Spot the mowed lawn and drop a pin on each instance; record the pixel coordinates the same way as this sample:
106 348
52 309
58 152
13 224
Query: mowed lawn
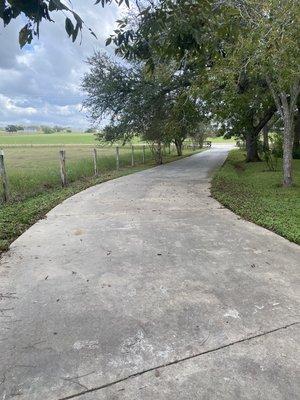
256 194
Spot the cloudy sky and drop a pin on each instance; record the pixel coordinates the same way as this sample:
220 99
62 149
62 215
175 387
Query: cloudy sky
40 84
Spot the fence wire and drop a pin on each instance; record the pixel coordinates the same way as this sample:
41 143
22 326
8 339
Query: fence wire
31 170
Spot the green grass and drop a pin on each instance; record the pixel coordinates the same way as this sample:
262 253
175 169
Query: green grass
35 184
220 139
32 170
256 194
46 139
72 138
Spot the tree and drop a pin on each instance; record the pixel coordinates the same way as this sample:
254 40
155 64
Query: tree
57 128
90 130
133 102
195 35
36 11
167 29
271 48
183 117
14 128
251 36
156 106
47 130
202 130
240 104
296 144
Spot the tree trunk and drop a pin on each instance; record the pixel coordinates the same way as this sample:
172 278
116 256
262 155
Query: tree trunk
286 104
288 150
178 144
296 144
251 147
159 158
265 130
252 135
201 141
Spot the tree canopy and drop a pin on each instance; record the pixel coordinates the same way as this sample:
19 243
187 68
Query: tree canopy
245 57
157 106
13 128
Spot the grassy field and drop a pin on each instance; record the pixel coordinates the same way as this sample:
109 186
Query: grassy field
34 180
256 194
32 160
220 139
32 170
42 139
47 139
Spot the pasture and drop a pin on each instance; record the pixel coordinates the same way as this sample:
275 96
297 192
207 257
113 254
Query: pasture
32 159
32 170
63 138
47 139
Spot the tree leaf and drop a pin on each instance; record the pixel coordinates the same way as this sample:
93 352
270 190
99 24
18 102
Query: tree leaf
59 5
52 5
69 27
93 33
78 20
2 8
25 35
75 33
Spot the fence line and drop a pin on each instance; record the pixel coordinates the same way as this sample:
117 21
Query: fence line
60 145
117 158
69 172
95 161
3 176
132 156
144 154
63 171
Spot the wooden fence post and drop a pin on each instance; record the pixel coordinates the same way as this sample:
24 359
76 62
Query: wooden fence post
95 161
144 154
63 172
4 178
117 158
132 156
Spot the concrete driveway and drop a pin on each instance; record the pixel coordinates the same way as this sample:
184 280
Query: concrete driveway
145 287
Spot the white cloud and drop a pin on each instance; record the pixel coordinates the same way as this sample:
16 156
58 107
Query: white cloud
10 106
40 84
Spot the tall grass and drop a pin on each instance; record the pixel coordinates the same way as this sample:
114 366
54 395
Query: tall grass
32 170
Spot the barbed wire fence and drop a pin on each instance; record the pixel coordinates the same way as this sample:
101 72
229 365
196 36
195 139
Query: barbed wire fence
67 164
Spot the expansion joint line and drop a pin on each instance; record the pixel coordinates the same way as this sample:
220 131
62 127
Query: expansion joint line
135 375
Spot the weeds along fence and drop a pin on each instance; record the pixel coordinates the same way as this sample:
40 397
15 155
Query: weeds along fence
29 170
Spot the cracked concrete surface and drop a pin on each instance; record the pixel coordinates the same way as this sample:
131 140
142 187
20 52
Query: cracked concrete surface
146 288
246 371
